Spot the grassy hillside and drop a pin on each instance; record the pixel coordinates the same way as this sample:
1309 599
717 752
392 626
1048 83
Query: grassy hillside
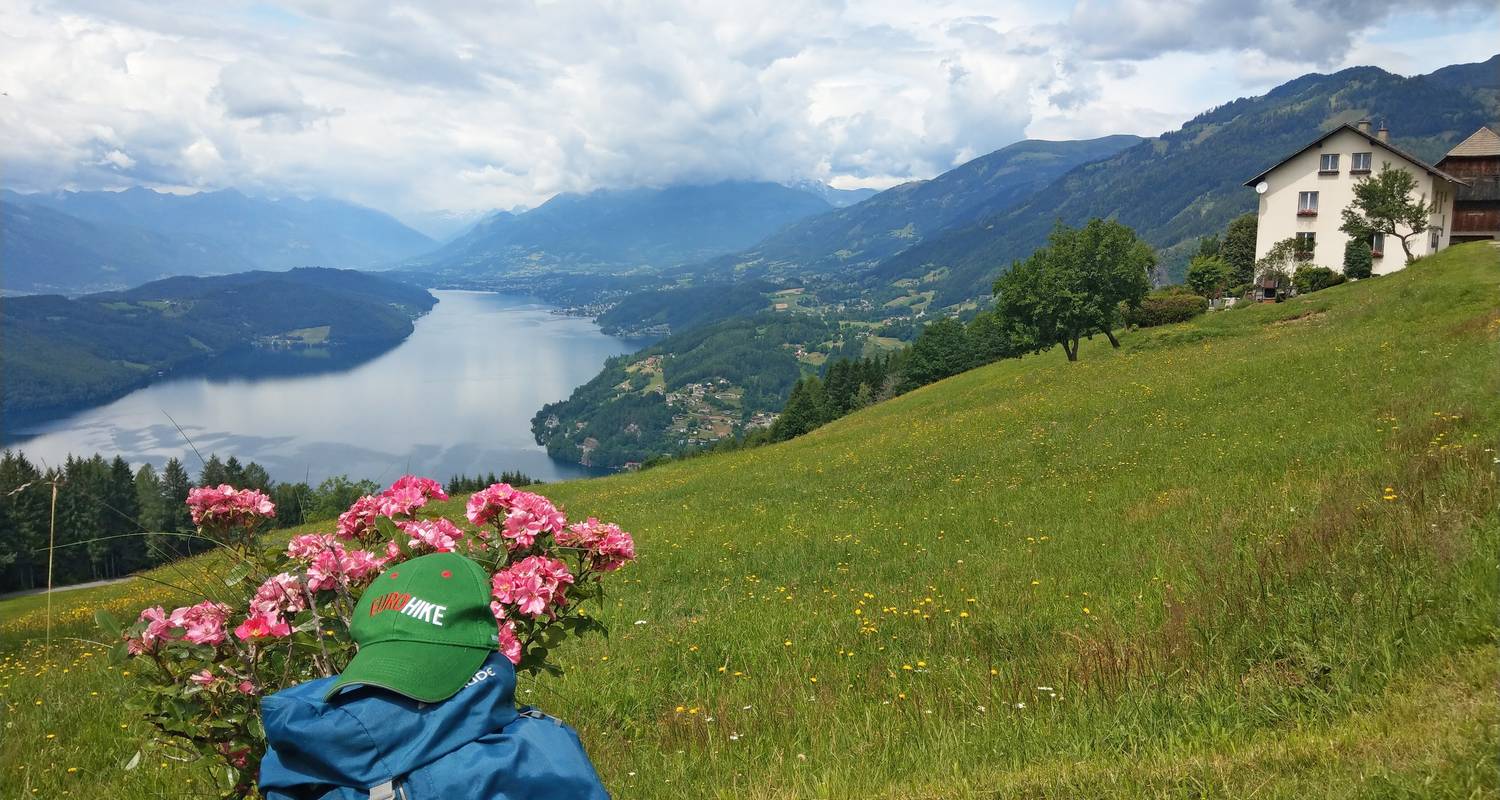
1251 555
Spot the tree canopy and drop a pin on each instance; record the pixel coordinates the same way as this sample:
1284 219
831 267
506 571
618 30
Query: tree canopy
1208 275
1077 284
1238 248
1383 204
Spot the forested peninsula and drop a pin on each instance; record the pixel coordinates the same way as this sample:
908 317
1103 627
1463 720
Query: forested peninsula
62 354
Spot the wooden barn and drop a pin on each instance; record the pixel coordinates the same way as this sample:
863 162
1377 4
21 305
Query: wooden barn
1476 208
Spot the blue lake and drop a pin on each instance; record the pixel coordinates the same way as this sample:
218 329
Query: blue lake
456 397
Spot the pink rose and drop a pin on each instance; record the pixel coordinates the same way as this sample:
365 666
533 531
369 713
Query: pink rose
263 626
359 521
202 623
530 516
428 487
487 504
609 547
437 535
509 644
533 585
309 545
203 678
279 594
228 506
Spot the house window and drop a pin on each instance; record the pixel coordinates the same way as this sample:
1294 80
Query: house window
1306 242
1360 163
1307 204
1329 164
1434 236
1377 245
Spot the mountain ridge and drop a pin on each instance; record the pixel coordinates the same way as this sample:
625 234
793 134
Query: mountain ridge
163 234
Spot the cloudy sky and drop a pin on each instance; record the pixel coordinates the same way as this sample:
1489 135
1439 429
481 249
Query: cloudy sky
413 107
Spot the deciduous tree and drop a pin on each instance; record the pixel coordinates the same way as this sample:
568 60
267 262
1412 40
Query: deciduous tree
1077 285
1383 203
1208 275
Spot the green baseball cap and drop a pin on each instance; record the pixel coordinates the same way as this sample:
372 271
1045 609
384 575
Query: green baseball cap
424 627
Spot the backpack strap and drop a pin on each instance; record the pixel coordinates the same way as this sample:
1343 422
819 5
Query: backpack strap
387 791
534 713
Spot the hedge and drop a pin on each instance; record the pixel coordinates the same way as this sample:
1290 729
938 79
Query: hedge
1165 309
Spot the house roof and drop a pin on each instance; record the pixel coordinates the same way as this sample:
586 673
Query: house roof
1484 142
1431 170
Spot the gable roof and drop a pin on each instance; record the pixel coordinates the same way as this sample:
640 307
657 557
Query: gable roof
1430 169
1483 142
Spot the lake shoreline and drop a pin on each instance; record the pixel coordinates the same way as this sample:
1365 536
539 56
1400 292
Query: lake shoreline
456 396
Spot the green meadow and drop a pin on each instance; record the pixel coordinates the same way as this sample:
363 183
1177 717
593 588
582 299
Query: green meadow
1253 555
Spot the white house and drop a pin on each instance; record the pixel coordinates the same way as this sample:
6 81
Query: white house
1304 196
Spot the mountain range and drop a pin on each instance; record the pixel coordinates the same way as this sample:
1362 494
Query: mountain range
900 217
1188 183
613 230
73 242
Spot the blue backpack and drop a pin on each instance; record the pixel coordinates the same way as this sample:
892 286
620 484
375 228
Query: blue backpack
371 744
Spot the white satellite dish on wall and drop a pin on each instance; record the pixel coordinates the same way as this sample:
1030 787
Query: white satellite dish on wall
1260 188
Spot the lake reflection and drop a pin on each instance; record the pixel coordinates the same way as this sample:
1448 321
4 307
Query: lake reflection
456 397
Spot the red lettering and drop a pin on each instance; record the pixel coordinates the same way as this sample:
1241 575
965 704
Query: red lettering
390 602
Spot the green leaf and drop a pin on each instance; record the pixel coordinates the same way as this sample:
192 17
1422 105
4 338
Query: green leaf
388 529
107 622
237 574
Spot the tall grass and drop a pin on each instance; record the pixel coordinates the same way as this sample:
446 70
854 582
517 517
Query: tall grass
1249 555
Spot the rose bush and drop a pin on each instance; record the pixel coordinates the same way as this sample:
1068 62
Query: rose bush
280 614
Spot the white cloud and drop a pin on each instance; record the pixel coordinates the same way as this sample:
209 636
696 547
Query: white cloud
471 104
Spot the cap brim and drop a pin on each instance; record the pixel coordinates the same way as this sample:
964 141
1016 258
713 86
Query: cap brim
424 671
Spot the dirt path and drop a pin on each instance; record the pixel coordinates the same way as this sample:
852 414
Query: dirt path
70 587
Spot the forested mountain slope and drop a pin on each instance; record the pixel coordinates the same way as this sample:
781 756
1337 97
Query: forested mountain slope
621 229
902 216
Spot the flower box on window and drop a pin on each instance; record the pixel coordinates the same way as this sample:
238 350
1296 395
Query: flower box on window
1307 212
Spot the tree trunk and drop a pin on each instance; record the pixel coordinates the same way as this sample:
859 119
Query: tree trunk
1405 247
1071 351
1112 340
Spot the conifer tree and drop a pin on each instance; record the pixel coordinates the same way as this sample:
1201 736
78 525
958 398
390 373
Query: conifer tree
213 473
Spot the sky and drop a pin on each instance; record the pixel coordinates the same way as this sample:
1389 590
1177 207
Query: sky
463 106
